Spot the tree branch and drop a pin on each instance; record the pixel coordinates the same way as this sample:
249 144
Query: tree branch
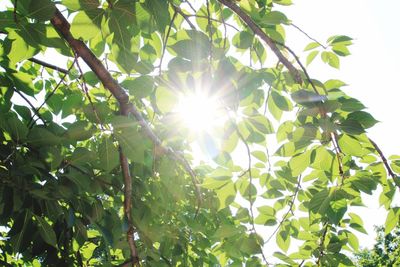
271 43
61 24
253 227
290 210
308 36
186 17
383 158
215 20
321 245
31 122
166 40
128 207
30 104
48 65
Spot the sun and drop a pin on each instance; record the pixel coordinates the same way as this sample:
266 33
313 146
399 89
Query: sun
199 112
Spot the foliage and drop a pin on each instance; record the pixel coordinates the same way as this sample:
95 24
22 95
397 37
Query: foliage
384 253
92 173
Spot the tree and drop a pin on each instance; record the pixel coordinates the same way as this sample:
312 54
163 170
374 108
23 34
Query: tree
384 253
97 168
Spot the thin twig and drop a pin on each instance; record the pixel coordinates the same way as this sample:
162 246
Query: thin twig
191 6
210 30
383 158
308 36
216 20
250 193
166 40
86 91
48 65
339 157
186 17
224 24
321 245
110 4
15 12
301 66
259 32
30 104
290 210
270 88
31 122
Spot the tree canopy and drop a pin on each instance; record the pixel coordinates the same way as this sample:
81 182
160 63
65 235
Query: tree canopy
385 251
98 149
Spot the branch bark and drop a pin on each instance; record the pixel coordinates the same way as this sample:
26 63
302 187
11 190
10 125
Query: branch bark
48 65
259 32
61 24
383 158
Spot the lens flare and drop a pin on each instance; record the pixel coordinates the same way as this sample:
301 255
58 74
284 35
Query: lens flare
199 112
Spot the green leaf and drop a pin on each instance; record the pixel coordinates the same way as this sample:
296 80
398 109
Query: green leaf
305 97
243 40
331 58
340 39
350 104
133 145
14 127
226 195
274 18
281 102
311 46
40 136
260 155
319 203
283 2
364 118
341 50
300 162
351 126
195 48
311 56
166 99
41 10
139 87
79 131
392 220
108 154
351 146
356 222
46 231
283 239
159 11
250 245
226 230
86 25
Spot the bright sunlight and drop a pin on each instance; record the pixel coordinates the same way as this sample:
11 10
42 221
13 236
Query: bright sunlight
200 113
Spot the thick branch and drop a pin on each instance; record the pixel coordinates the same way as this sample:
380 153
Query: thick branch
259 32
61 24
128 207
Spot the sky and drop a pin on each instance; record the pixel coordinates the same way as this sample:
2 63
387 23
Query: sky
371 71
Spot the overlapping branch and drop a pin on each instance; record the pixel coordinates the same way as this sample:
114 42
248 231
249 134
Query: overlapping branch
260 33
61 24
